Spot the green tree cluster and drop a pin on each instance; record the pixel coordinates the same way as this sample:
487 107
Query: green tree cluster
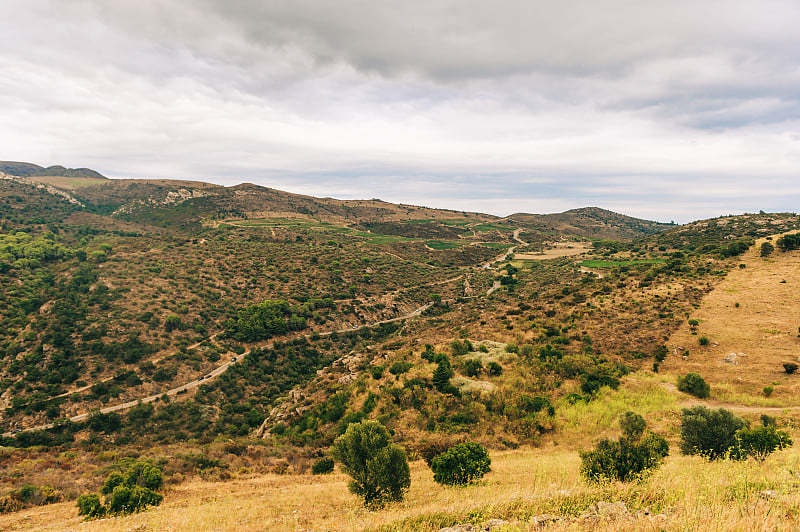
263 321
717 434
125 493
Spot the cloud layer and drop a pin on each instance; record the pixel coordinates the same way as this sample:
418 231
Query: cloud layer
676 110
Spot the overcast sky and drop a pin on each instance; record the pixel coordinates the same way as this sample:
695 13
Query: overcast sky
673 110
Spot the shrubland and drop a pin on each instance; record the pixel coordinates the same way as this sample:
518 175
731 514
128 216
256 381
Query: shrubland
105 308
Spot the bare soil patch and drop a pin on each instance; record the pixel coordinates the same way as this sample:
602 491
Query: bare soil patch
559 249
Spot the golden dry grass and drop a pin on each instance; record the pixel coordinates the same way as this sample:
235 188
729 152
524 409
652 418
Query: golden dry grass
68 183
764 327
689 493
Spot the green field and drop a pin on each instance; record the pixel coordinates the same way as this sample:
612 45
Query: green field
614 263
492 227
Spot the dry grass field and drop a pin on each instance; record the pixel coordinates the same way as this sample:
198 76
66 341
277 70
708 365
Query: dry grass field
686 494
755 310
68 183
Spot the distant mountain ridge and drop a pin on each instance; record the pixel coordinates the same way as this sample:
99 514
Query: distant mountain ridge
21 169
164 202
590 222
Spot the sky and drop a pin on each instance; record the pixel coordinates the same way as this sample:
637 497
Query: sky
677 110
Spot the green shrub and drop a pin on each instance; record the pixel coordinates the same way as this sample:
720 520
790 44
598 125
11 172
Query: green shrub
628 458
379 468
694 384
623 459
125 493
767 249
323 466
632 425
789 242
90 506
494 369
761 442
709 433
703 340
461 464
130 499
398 368
789 367
473 367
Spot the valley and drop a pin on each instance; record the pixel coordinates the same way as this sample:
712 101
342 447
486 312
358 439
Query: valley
229 336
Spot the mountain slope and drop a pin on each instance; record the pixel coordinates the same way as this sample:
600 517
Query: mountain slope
589 222
22 169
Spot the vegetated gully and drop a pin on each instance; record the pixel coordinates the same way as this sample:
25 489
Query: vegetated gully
219 370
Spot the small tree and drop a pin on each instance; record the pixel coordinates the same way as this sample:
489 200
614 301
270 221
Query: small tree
789 367
767 249
709 433
379 468
761 442
461 464
694 384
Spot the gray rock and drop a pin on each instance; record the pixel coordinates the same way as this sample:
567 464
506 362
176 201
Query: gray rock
491 524
731 358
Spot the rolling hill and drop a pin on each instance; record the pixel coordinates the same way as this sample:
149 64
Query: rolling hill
236 331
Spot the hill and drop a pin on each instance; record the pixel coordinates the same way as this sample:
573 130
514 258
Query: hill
236 331
33 170
589 222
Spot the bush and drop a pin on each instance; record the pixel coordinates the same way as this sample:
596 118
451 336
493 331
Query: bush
90 506
323 466
125 493
428 450
694 384
703 340
789 242
494 369
767 249
628 458
129 499
473 367
761 442
461 464
632 425
709 433
790 367
623 459
379 468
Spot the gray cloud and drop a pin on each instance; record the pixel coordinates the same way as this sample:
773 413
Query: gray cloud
513 104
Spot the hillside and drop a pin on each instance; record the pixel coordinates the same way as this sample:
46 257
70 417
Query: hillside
35 171
589 222
236 331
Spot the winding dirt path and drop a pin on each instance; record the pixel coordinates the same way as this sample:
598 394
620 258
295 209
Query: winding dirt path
219 370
